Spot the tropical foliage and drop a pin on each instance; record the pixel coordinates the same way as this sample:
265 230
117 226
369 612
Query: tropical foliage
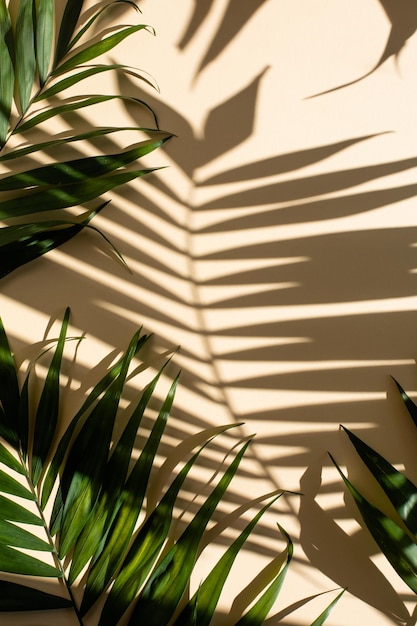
38 74
87 499
396 534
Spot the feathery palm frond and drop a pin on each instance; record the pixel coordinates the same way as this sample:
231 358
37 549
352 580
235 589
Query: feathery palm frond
95 523
41 71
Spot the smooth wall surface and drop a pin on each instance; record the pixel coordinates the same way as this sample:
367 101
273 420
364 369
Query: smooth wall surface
278 249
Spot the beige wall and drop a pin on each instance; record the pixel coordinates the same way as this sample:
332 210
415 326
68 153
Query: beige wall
279 250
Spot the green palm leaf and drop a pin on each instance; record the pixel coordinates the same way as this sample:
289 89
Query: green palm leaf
200 609
25 52
6 71
158 600
44 37
15 597
394 542
25 67
98 500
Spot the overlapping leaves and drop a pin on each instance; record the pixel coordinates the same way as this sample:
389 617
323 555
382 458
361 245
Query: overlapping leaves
396 534
36 73
97 495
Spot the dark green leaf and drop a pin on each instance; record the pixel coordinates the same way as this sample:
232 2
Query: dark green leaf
401 492
73 79
69 21
392 540
8 459
411 407
95 530
12 486
14 597
78 170
25 52
144 551
6 71
11 535
9 390
96 15
44 37
48 408
64 196
45 145
21 244
15 513
78 103
65 442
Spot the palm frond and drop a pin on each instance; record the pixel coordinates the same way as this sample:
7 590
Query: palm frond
97 524
39 69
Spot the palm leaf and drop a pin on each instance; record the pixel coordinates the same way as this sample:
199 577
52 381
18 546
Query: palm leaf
25 52
69 21
25 59
6 71
158 601
258 612
15 597
393 541
200 608
44 37
98 500
401 492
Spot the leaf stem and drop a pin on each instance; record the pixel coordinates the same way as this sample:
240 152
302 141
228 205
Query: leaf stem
54 552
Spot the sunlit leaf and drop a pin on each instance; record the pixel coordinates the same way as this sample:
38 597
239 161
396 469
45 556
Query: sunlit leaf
74 79
12 486
83 472
200 609
393 541
323 616
259 611
401 492
8 459
97 49
14 562
110 499
158 601
96 15
106 561
144 551
12 535
25 51
44 37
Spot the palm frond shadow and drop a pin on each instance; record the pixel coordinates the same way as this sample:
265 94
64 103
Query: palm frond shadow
306 270
234 19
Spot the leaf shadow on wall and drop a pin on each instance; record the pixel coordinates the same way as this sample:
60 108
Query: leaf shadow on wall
236 16
296 272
